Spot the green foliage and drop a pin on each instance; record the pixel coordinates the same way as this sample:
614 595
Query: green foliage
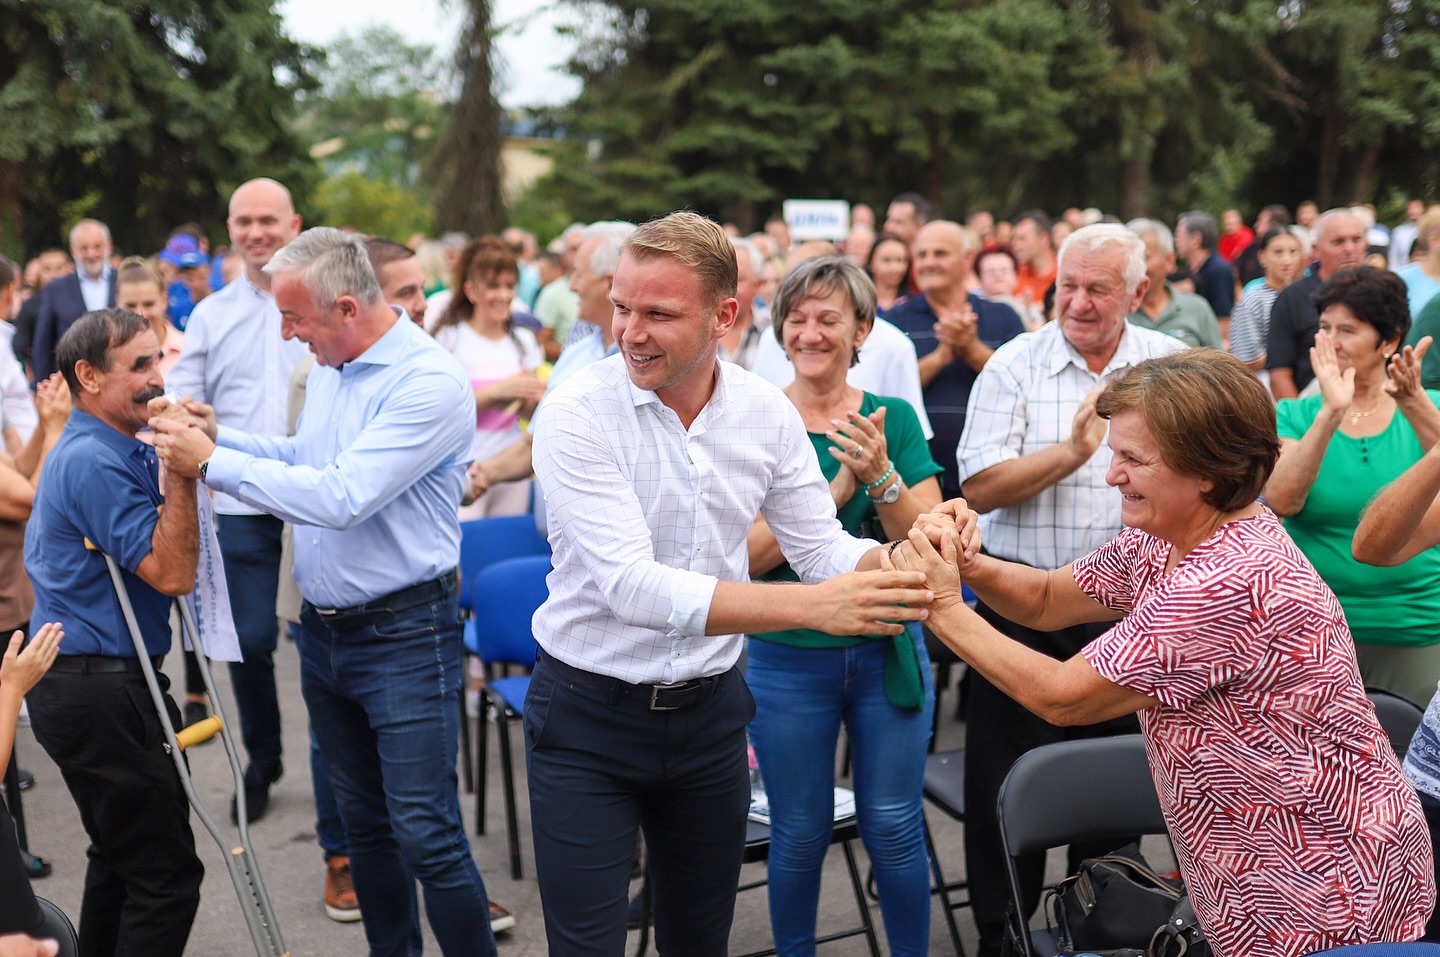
376 207
378 108
729 106
155 110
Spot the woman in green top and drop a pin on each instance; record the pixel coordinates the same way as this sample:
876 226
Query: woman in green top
1338 449
805 684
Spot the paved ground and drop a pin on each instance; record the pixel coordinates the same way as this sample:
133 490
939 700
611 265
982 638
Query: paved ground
291 863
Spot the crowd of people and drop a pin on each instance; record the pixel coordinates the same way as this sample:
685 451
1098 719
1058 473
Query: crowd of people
1147 451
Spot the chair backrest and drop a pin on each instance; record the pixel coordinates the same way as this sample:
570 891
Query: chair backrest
1090 789
56 926
504 597
485 541
1398 716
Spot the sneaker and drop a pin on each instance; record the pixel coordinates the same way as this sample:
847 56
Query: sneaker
340 901
195 712
27 781
500 918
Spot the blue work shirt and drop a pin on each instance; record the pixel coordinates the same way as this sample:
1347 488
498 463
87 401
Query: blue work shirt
949 392
100 484
372 477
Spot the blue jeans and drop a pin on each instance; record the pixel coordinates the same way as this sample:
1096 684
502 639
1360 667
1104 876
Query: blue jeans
383 697
801 697
329 829
250 546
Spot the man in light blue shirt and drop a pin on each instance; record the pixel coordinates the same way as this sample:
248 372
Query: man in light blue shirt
371 480
235 360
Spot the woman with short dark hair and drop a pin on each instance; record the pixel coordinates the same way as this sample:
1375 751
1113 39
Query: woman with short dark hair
1338 450
1292 823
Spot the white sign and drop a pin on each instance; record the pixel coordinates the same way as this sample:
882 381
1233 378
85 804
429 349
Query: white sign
817 218
210 602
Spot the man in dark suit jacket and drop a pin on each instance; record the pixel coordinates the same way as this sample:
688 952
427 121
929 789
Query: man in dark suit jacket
54 263
91 286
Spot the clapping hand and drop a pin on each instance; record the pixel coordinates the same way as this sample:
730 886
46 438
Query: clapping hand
860 445
1405 364
24 667
956 330
52 402
1088 430
1337 388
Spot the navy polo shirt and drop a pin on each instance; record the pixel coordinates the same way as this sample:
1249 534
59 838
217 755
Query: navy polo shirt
103 485
949 392
1215 282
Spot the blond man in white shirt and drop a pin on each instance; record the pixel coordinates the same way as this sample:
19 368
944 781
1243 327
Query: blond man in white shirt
653 464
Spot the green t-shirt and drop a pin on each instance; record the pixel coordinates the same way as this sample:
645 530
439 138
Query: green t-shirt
908 449
1384 606
1188 318
1427 323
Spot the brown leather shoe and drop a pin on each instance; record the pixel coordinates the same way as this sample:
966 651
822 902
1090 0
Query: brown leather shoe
340 901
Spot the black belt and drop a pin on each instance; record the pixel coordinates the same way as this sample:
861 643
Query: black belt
101 664
666 697
421 594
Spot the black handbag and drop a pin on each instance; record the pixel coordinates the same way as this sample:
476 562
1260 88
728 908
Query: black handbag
1181 935
1115 903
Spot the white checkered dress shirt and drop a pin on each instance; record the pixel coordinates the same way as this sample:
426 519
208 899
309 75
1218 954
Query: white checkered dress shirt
1024 400
646 516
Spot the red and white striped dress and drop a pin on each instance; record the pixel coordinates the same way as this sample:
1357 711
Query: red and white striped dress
1294 827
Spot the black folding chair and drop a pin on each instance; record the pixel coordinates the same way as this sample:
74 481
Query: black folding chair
1092 789
945 788
1398 716
757 848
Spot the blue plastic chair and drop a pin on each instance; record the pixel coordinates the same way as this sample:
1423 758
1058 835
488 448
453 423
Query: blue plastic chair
483 542
504 597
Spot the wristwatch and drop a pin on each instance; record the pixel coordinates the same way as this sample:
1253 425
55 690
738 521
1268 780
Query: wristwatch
205 467
891 495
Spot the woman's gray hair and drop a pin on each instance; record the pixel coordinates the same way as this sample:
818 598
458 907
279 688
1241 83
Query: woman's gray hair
332 263
819 277
1102 235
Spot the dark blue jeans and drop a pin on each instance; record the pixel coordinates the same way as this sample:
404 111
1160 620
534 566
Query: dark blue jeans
329 829
384 704
598 769
250 545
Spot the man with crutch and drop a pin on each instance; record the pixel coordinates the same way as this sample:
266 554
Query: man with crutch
371 481
93 713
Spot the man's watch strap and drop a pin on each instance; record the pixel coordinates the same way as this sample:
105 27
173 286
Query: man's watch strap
204 468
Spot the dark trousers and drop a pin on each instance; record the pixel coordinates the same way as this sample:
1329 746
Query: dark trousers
250 546
598 770
142 885
19 914
998 731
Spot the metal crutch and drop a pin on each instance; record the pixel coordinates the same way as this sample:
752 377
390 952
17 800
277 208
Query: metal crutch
239 859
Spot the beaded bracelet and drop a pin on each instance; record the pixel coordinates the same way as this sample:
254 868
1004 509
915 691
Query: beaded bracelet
881 480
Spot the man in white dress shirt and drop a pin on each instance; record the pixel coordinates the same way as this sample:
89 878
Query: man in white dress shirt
236 360
653 464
